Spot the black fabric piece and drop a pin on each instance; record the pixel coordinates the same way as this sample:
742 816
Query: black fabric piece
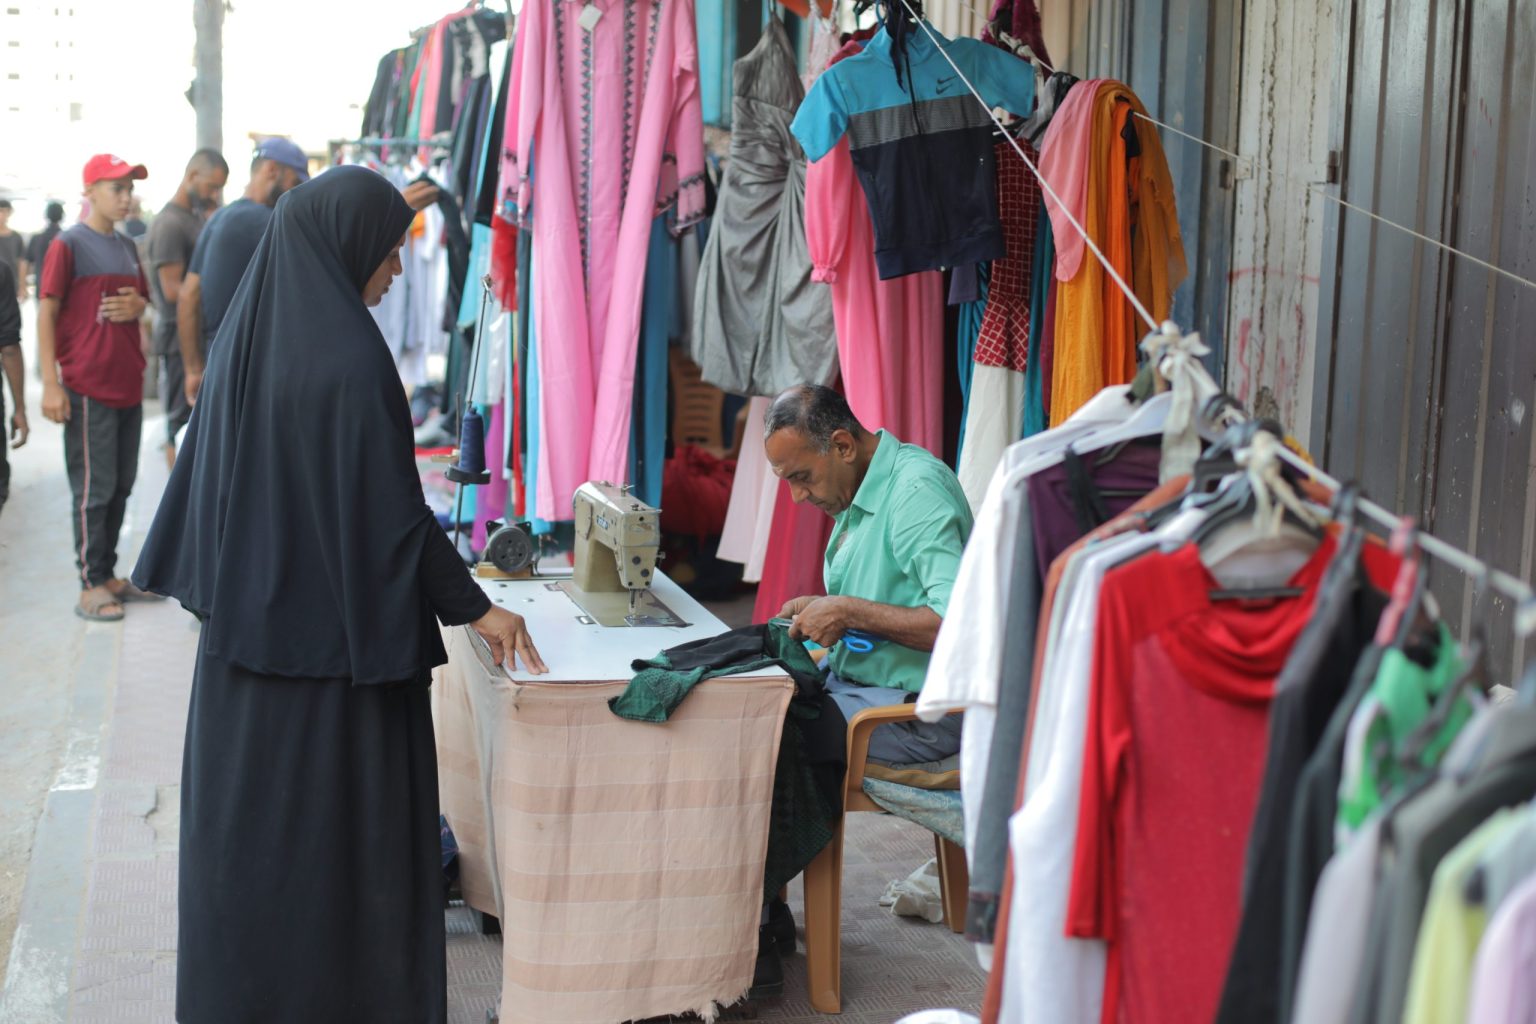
457 240
1309 839
1087 504
485 199
37 250
661 683
310 886
294 522
1312 685
374 111
468 134
10 309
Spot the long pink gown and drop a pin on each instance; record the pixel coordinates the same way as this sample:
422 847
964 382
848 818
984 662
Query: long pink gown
604 132
890 334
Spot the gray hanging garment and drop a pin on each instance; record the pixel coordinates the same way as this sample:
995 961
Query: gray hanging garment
760 324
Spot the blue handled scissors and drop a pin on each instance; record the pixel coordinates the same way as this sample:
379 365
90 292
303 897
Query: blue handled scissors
855 640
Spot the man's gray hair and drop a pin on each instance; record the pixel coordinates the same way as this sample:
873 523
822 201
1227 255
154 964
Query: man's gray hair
817 412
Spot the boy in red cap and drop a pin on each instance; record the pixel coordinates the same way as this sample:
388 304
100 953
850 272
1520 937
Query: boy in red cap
92 293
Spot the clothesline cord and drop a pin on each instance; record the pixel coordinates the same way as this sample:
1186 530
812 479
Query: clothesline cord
1512 587
1192 138
1109 269
1312 187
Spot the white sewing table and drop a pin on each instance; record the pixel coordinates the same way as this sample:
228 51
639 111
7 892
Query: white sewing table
623 859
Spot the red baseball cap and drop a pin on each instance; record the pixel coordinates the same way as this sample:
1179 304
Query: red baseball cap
106 167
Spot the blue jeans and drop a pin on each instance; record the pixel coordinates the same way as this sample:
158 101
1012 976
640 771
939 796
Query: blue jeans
896 742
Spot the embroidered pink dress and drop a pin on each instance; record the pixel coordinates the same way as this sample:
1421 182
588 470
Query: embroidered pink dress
604 131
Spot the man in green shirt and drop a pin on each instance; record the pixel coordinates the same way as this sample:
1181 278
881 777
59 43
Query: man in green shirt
902 523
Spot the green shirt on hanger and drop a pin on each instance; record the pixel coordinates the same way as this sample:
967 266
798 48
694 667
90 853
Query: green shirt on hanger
1401 698
899 543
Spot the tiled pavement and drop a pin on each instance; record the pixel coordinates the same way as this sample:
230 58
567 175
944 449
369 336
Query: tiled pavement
124 944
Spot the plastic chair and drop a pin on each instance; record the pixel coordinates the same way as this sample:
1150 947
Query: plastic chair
824 876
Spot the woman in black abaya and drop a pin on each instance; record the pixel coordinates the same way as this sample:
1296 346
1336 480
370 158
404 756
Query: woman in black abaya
295 528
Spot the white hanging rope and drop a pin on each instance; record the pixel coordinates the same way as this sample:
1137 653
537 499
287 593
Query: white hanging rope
1317 189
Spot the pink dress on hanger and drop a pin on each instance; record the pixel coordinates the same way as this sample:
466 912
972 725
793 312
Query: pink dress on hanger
604 131
890 334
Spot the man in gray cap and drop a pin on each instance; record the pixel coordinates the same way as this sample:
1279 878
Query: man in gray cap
225 249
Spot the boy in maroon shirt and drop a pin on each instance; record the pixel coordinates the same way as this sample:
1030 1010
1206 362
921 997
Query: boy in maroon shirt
92 294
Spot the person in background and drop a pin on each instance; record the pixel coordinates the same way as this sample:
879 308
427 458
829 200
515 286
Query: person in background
902 523
11 363
226 246
133 225
224 251
901 526
13 251
37 246
168 252
92 293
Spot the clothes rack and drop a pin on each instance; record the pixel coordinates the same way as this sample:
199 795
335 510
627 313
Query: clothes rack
1505 583
1224 407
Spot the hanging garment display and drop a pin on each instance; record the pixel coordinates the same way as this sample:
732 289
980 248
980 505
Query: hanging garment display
1110 172
921 143
995 412
604 132
889 333
760 325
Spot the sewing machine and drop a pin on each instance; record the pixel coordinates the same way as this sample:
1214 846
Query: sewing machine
618 542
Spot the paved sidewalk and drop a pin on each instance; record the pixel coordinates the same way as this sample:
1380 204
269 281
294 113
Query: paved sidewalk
96 942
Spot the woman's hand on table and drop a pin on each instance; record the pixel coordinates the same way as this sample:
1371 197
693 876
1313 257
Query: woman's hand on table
506 634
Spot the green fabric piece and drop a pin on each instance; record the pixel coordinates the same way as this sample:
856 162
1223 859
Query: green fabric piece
1403 695
657 688
899 543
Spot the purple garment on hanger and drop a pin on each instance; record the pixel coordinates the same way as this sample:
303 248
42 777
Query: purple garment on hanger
1063 506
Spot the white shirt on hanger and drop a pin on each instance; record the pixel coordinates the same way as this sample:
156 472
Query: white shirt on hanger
1049 977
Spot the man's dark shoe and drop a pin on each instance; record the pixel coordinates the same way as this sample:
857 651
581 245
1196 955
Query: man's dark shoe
782 924
768 977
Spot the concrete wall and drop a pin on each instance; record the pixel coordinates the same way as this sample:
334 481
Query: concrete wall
1286 76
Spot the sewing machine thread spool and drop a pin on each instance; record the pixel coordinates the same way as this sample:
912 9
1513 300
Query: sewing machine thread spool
470 469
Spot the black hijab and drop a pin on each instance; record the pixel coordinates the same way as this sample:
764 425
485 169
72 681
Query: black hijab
294 521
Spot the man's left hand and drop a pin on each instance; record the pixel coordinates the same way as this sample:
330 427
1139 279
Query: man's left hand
824 620
124 307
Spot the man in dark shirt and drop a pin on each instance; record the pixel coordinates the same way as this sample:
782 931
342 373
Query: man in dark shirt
37 246
172 238
225 250
10 360
13 251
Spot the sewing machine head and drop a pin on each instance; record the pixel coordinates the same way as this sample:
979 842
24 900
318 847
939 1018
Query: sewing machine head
618 538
